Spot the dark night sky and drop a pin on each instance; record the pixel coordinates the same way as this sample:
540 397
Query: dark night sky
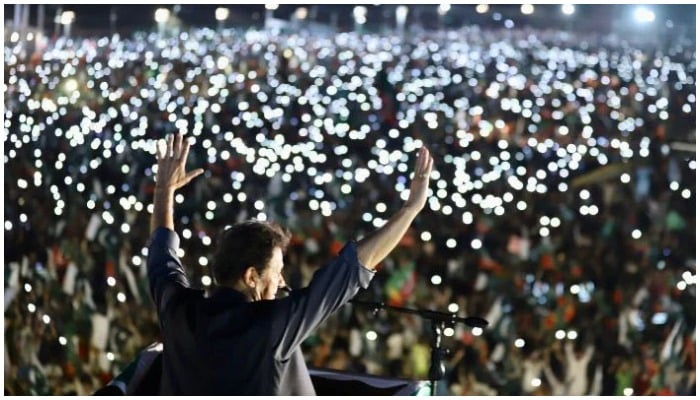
94 19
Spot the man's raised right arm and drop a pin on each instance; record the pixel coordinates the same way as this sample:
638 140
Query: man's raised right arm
165 271
171 175
372 249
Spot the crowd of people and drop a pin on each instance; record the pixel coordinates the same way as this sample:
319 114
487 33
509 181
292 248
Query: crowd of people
562 208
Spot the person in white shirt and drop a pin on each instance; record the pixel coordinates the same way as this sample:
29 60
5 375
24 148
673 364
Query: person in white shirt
577 369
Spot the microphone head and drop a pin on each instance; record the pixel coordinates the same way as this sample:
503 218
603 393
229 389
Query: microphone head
283 292
476 322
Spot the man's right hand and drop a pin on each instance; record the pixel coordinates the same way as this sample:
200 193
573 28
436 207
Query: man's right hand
172 158
421 179
376 246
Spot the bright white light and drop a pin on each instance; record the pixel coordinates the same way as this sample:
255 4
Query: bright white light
636 234
67 17
110 356
221 14
449 332
162 15
436 279
527 9
46 319
443 9
519 343
644 15
371 336
401 14
111 281
360 14
453 307
301 13
380 207
688 277
206 280
71 85
271 6
476 244
535 382
628 391
467 218
221 63
121 297
32 308
62 340
572 335
625 178
568 9
659 318
482 8
560 334
476 331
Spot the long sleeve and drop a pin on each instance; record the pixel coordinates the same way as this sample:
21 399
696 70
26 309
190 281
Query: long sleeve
597 384
667 349
165 271
558 388
331 287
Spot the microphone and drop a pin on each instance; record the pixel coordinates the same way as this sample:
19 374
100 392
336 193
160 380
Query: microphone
283 291
435 316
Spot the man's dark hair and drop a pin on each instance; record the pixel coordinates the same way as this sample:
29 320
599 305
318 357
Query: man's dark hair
246 244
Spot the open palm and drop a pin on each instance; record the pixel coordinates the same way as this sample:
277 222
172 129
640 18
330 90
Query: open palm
421 180
172 158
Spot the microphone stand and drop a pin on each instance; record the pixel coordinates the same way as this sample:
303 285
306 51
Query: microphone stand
438 321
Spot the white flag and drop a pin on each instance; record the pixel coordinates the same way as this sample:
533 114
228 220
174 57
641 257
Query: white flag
93 227
100 331
69 278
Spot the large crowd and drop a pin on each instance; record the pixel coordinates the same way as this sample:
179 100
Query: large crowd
562 208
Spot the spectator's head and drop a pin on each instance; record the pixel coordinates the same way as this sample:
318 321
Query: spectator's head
249 258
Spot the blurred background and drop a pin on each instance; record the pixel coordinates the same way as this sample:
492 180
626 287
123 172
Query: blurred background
562 205
127 18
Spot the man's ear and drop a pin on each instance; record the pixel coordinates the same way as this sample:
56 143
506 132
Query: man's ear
250 276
